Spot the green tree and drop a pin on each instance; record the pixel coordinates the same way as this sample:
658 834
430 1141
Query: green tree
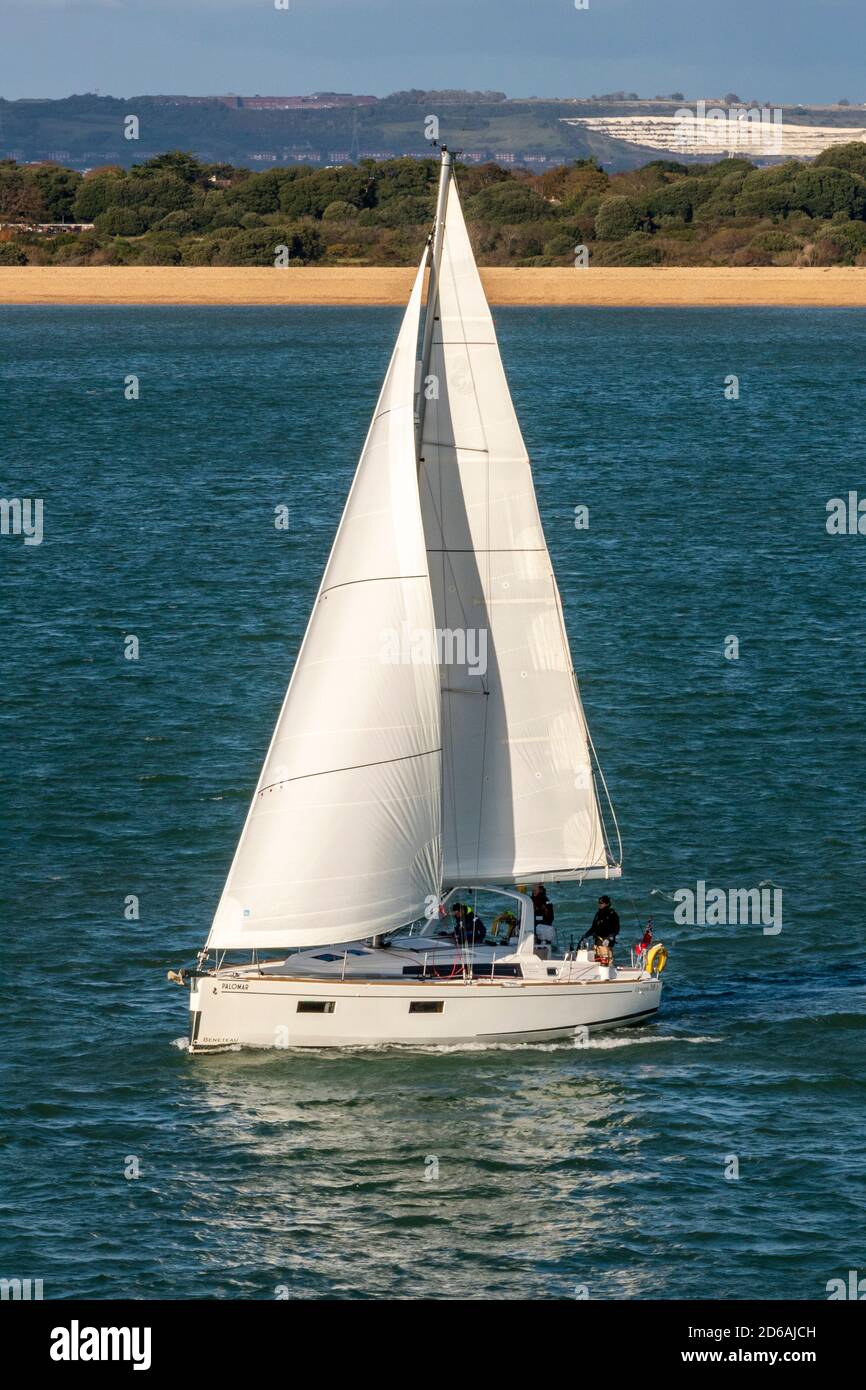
824 191
259 246
677 199
120 221
180 223
406 212
508 202
635 250
162 192
850 156
309 196
617 218
178 163
159 249
841 244
339 211
404 178
97 192
57 188
20 199
260 193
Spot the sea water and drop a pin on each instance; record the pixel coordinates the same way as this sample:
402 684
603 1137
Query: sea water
192 465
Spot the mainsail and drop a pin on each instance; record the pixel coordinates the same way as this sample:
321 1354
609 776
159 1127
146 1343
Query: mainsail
342 840
519 799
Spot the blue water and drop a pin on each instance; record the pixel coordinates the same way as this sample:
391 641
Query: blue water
557 1166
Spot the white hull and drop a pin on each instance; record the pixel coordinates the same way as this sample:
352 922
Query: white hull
242 1009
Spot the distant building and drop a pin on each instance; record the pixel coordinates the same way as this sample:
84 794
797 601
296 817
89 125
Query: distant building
325 101
322 101
231 101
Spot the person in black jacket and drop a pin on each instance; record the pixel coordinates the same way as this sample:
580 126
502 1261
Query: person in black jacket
542 906
605 929
545 936
468 928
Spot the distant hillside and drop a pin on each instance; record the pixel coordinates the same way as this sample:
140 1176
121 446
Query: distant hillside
174 209
335 128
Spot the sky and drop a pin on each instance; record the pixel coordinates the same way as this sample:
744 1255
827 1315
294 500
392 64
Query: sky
774 51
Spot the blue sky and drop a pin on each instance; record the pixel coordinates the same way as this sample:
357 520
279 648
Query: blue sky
772 50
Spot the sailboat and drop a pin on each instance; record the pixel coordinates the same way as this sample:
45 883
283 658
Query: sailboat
432 759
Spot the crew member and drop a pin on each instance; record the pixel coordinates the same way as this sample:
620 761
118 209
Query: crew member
605 928
545 936
468 929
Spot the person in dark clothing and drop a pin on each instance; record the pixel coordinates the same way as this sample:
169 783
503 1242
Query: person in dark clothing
605 929
542 905
545 936
468 928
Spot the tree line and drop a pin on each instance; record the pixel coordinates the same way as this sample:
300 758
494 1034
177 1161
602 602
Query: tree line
177 210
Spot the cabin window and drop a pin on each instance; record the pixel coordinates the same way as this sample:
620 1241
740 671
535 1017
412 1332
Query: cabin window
427 1006
315 1006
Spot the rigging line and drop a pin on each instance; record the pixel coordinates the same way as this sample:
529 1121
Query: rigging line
353 767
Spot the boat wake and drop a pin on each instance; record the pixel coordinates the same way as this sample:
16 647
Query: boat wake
432 1049
564 1045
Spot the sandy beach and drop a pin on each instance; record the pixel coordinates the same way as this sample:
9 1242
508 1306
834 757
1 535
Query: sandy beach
645 287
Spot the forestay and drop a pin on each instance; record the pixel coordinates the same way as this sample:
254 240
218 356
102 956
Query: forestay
342 839
519 801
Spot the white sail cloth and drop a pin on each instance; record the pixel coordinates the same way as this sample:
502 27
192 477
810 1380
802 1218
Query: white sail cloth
519 801
342 839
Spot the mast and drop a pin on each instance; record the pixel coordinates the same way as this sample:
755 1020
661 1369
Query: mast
435 260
